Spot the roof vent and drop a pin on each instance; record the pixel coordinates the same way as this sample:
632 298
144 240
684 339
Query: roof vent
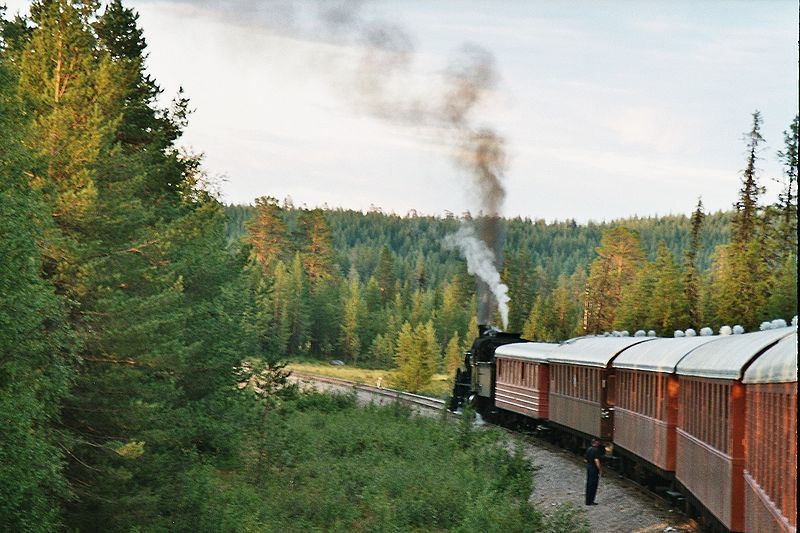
691 333
706 332
738 330
778 323
725 330
639 333
679 333
765 326
651 333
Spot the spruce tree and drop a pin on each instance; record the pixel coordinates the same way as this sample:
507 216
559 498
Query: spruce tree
741 287
691 279
353 317
745 218
667 309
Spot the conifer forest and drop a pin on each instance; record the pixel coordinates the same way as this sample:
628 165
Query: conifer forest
132 303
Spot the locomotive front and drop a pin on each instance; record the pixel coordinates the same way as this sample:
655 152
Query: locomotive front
474 384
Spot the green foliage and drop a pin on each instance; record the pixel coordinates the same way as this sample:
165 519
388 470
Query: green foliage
112 250
371 470
416 357
619 258
36 347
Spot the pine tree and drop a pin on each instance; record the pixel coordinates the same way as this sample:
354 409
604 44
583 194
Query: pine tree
138 248
386 276
266 233
297 309
787 199
744 221
36 348
541 324
404 356
353 316
782 301
452 315
517 276
454 354
566 309
668 305
634 312
619 258
416 356
691 278
741 288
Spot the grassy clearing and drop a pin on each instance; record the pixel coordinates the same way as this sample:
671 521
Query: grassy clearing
440 387
333 466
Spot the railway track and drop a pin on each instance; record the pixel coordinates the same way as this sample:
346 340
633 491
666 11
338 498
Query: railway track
405 397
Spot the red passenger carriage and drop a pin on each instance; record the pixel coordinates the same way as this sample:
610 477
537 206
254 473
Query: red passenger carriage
770 473
646 411
582 384
711 422
523 378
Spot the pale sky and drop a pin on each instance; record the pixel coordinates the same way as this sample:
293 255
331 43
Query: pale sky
608 109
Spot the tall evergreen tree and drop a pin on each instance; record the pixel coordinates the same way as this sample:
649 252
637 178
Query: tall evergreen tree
453 354
667 302
745 218
691 279
619 257
634 311
353 317
782 301
36 347
138 248
267 234
386 276
741 290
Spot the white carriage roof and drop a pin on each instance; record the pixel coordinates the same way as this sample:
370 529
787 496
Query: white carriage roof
660 355
594 350
526 351
776 365
726 357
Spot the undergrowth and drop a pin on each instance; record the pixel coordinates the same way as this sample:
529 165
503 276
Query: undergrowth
334 466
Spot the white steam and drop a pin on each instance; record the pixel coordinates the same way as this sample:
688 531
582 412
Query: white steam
481 263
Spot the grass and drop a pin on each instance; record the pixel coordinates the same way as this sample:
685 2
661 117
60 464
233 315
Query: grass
330 465
441 385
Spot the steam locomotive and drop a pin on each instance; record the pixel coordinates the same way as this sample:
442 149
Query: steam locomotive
711 421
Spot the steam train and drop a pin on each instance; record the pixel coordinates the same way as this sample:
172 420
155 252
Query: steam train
709 420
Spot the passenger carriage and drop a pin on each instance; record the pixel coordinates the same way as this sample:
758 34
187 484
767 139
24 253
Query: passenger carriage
646 410
523 378
582 384
770 468
710 447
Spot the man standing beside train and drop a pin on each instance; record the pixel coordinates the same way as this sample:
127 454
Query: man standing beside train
593 469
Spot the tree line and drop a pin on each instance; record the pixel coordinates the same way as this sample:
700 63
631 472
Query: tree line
380 289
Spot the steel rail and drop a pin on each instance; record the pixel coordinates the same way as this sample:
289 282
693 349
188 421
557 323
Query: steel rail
407 397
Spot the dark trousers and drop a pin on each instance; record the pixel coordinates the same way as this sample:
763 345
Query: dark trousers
592 478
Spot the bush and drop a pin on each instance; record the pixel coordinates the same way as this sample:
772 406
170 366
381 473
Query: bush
334 466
